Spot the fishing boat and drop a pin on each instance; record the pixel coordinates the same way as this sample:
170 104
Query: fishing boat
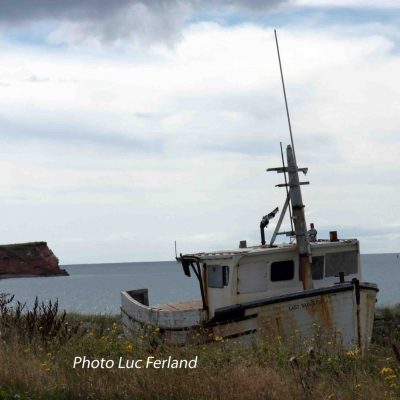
306 287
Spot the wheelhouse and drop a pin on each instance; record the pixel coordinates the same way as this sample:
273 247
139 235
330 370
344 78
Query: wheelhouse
247 274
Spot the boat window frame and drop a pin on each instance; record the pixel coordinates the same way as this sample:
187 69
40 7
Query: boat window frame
217 282
225 275
293 271
261 272
330 258
314 270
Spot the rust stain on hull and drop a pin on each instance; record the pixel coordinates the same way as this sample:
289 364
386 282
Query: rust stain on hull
330 316
321 313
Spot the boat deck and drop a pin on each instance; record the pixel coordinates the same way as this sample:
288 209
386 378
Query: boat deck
180 306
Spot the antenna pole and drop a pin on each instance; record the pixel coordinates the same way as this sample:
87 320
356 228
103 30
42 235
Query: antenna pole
284 94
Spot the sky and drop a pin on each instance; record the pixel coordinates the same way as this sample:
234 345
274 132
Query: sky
127 125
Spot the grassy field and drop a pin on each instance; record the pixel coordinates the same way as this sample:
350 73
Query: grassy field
38 347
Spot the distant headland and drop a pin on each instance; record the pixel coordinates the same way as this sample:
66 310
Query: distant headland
22 260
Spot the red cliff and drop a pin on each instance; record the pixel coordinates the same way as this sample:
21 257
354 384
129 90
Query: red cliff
28 259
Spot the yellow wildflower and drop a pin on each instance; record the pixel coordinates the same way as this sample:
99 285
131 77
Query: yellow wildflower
218 338
386 370
44 365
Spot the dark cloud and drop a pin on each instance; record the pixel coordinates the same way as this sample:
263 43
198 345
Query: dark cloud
29 10
103 20
256 5
114 20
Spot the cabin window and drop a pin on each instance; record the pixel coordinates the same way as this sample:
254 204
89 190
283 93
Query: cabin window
218 276
317 267
282 271
225 275
252 277
345 261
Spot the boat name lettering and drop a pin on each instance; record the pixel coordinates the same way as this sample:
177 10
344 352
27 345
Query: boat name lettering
306 304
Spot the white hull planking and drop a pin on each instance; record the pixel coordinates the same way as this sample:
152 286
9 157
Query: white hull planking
332 315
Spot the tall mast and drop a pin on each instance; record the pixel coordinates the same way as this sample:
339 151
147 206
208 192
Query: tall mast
284 95
299 220
300 225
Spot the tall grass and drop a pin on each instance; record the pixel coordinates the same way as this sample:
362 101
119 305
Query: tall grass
42 323
39 366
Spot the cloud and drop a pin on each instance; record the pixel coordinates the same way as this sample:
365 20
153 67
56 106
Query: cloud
91 21
103 21
69 133
25 11
389 4
70 168
139 22
37 79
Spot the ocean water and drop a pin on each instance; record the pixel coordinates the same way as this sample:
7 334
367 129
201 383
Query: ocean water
95 288
383 269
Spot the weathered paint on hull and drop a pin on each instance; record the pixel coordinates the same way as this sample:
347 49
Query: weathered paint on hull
329 313
332 315
140 320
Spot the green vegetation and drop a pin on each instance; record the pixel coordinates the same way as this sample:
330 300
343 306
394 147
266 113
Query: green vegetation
19 246
38 346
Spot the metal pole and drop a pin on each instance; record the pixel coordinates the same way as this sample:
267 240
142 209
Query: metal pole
284 94
278 225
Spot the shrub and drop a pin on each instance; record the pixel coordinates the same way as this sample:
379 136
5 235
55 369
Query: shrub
42 323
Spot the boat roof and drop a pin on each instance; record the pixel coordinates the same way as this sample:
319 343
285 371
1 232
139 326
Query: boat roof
265 249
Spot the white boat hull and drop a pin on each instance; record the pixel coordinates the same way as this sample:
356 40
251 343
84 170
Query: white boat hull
344 312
